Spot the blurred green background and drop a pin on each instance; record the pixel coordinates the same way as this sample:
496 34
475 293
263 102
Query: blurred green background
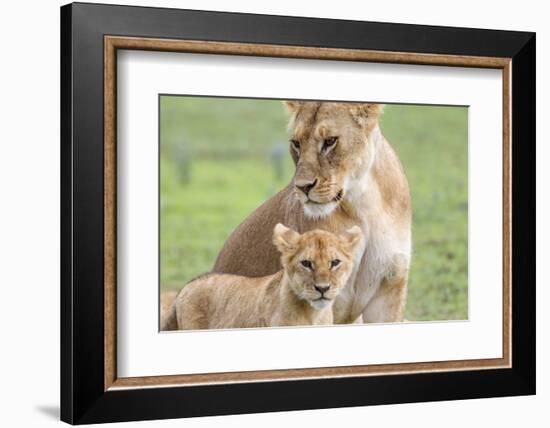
221 158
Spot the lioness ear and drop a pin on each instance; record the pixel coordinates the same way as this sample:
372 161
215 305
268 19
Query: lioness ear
366 114
352 238
292 106
285 239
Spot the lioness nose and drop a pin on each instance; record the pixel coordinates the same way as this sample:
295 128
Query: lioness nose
322 288
306 186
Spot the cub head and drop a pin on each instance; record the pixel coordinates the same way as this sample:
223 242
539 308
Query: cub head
332 147
317 263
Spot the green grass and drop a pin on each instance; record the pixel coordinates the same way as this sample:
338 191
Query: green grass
217 166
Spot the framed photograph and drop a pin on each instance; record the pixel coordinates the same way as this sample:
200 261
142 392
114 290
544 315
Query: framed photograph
266 213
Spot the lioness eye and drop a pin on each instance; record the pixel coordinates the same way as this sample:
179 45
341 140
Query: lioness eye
295 145
307 264
334 263
329 142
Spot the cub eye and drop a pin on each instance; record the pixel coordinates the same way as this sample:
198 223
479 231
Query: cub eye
307 264
295 145
329 142
334 263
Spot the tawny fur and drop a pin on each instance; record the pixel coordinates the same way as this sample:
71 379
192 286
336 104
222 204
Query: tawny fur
167 299
375 196
287 298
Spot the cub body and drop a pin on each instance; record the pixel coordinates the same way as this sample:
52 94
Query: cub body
316 266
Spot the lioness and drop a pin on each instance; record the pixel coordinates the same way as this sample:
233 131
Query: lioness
316 266
346 174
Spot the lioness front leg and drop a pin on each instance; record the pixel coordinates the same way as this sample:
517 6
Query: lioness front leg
388 303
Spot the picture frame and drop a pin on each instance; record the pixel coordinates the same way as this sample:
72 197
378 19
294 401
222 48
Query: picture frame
91 391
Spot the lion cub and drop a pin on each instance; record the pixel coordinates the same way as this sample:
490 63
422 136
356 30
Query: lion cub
316 266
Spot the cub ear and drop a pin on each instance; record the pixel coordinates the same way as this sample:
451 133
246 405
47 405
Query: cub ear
292 106
284 238
352 238
366 114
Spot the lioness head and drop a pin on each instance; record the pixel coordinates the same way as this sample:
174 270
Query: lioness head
331 147
317 263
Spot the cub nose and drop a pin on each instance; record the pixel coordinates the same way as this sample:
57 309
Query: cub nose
306 186
322 288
